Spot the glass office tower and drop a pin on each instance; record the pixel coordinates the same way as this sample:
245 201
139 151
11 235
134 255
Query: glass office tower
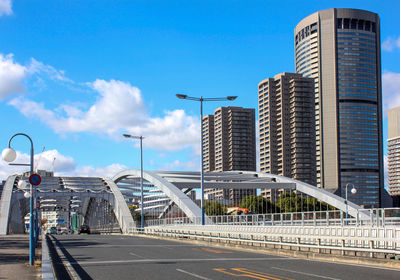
340 49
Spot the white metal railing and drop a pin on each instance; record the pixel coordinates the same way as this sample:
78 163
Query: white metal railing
371 239
365 217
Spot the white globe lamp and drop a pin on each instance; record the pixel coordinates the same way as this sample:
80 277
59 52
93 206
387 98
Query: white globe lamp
21 184
27 195
353 190
9 154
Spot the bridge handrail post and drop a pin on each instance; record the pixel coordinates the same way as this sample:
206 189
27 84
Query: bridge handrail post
341 218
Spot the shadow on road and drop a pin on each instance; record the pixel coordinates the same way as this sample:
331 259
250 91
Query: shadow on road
59 267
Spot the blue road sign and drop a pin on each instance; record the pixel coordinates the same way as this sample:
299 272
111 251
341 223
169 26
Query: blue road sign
35 179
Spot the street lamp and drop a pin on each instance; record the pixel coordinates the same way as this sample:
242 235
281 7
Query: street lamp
353 191
10 155
141 175
201 99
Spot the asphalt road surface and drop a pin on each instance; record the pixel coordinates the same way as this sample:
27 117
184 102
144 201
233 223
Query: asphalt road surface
128 257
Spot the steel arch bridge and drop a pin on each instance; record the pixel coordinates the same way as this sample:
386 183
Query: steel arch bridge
173 187
88 195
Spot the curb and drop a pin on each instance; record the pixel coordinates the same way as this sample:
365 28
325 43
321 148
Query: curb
47 267
70 269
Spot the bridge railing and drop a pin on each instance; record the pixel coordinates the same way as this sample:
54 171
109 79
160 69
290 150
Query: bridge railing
365 217
359 240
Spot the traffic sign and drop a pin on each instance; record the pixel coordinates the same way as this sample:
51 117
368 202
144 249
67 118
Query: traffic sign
35 179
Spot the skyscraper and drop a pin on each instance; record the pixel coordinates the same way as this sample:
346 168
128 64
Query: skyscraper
208 143
235 139
230 134
340 49
394 151
287 129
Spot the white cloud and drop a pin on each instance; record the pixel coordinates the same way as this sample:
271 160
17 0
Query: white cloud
63 166
175 131
100 171
390 90
37 67
119 108
179 165
12 75
42 161
5 7
391 43
61 163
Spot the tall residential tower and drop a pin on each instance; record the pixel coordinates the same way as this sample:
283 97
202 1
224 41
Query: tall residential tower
229 143
394 151
340 49
287 130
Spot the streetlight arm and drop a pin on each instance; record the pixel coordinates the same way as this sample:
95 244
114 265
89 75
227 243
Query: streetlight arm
184 96
133 136
30 139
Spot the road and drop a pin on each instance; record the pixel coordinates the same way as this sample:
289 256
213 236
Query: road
129 257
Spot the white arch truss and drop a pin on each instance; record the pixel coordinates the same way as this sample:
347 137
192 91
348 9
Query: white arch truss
171 184
62 192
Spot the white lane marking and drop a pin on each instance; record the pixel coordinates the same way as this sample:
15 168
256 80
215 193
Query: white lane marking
133 254
192 274
177 260
308 274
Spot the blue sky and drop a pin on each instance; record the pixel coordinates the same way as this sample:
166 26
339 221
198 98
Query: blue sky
75 75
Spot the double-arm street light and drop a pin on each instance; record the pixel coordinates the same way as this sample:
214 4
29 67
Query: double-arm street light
201 100
141 175
10 155
353 191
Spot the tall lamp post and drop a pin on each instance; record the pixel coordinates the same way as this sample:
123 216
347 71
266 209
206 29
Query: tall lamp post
10 155
353 191
141 175
201 100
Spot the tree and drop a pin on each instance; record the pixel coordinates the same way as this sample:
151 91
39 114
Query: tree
290 202
257 204
214 208
135 214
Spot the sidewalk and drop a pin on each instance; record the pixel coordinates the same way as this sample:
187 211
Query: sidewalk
14 258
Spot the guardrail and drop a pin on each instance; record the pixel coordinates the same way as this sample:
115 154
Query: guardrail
104 229
357 239
375 217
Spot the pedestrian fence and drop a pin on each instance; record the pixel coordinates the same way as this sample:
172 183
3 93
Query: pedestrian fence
349 238
371 232
365 217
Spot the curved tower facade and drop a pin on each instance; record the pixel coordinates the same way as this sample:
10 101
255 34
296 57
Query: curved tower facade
340 49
